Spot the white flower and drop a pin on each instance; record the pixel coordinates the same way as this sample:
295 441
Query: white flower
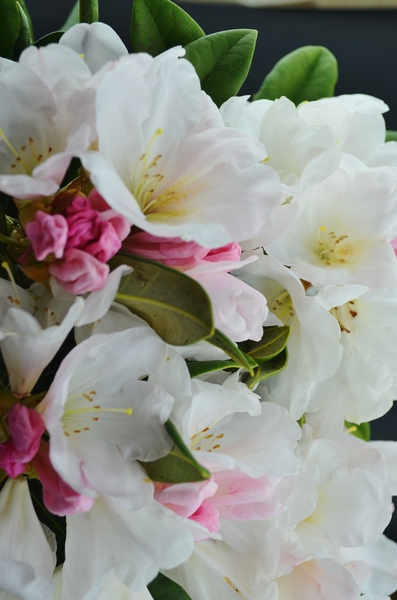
343 232
33 326
47 110
194 178
364 386
102 418
358 124
313 347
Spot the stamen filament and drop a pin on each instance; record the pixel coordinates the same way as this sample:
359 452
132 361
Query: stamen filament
6 267
13 151
75 411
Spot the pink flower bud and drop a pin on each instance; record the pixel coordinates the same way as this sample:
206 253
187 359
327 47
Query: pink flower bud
47 234
174 252
26 428
79 272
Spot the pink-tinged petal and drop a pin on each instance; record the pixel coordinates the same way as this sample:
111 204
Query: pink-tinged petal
239 310
242 497
184 498
208 516
47 234
121 225
58 496
78 272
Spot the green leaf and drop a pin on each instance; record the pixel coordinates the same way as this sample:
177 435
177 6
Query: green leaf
10 25
199 367
173 304
308 73
391 136
157 25
179 465
222 61
267 369
24 36
362 431
243 360
273 341
89 12
163 588
50 38
25 10
73 17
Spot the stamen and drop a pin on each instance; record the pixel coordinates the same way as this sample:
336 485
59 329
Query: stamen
75 411
13 151
6 267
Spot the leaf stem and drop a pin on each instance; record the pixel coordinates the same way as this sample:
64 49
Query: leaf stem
89 11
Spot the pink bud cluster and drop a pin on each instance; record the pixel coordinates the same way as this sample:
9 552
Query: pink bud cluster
79 241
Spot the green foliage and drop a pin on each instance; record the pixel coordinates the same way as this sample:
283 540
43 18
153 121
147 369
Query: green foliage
10 25
163 588
73 17
391 136
50 38
240 358
25 10
173 304
273 341
24 36
267 369
362 431
89 12
222 61
199 367
157 25
308 73
178 466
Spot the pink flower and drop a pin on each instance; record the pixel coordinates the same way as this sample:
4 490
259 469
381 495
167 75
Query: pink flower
26 428
79 272
58 496
47 234
174 252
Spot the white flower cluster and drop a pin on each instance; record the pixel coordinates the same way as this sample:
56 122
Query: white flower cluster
296 504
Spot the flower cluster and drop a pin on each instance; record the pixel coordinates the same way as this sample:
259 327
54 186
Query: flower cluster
196 324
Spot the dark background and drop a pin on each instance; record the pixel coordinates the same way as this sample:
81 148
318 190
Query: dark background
363 41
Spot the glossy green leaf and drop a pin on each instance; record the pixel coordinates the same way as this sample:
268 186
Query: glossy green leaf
222 61
73 17
173 304
391 136
50 38
89 12
308 73
24 36
178 466
199 367
267 369
163 588
273 341
25 10
362 431
157 25
10 25
243 360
